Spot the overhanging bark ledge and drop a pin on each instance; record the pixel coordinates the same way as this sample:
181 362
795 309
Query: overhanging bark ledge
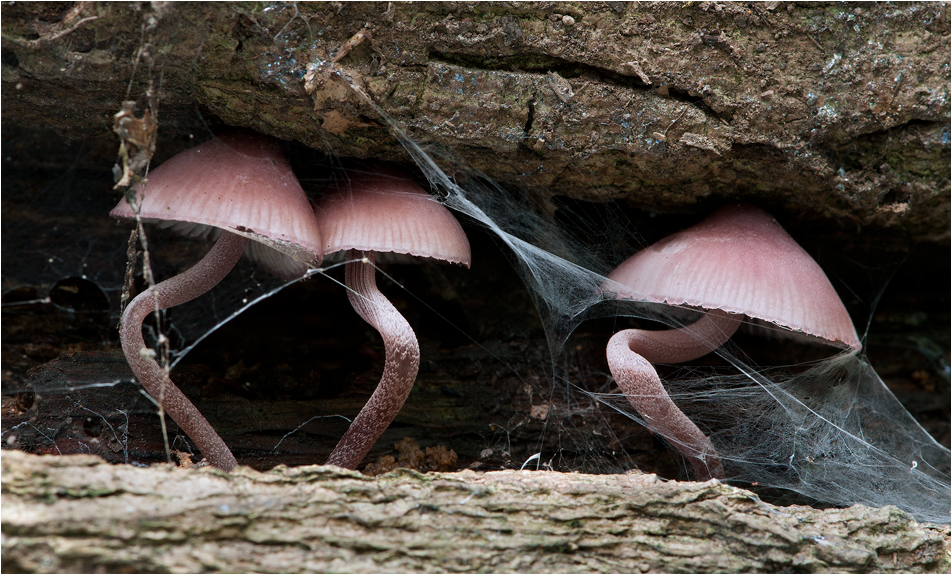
666 101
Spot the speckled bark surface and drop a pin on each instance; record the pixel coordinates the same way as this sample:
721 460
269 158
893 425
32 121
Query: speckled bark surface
80 514
834 113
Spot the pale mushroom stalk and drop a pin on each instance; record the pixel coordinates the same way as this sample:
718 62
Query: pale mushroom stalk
400 370
384 211
630 355
174 291
737 263
238 185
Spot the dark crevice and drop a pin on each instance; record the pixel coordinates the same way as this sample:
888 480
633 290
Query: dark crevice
83 41
894 130
767 152
895 196
891 149
529 119
10 58
696 101
538 64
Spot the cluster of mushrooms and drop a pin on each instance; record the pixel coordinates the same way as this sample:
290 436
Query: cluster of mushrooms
239 190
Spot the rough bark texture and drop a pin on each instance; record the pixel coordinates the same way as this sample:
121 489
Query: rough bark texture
832 116
80 514
832 112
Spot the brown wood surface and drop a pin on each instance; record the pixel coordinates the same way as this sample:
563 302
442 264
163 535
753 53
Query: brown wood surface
79 514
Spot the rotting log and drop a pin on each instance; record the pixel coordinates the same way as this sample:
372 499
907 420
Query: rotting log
81 514
834 113
833 116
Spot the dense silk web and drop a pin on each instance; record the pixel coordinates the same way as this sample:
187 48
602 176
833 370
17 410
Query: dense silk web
832 431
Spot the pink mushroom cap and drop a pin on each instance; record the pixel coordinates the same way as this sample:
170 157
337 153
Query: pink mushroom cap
385 211
240 182
740 260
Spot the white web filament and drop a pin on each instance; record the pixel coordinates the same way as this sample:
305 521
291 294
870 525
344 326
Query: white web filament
833 432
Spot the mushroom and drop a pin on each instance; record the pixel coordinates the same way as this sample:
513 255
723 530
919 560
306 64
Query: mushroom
384 211
738 262
238 187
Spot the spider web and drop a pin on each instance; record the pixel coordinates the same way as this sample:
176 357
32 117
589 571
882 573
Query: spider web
830 430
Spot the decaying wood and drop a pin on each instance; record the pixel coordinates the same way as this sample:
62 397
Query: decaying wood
830 112
834 116
78 513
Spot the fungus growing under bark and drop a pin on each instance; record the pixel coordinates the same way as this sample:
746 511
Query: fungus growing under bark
237 187
738 262
384 211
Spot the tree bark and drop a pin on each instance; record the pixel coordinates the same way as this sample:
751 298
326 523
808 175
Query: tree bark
77 513
832 113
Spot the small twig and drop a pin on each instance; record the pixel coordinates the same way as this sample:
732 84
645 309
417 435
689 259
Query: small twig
39 42
350 44
896 90
320 72
131 258
663 136
761 15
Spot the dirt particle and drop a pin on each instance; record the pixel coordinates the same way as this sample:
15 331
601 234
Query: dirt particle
411 456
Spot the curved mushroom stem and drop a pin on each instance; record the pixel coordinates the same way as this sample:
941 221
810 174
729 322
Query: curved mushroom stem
399 372
174 291
629 353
